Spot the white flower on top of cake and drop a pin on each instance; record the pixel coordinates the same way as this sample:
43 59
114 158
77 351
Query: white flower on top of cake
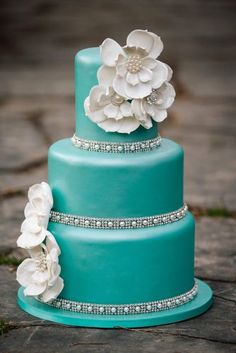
39 274
133 69
110 111
156 104
37 213
133 87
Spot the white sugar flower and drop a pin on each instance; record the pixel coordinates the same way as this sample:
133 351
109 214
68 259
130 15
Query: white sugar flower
39 275
40 203
110 111
37 213
156 104
133 69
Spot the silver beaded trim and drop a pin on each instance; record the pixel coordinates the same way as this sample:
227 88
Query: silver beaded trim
114 147
125 309
118 223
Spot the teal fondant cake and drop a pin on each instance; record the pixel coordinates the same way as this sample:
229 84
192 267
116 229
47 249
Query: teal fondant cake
110 239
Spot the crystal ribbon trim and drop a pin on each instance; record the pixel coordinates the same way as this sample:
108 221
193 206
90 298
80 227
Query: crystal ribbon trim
115 147
118 223
125 309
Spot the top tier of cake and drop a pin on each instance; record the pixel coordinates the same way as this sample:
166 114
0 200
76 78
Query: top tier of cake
87 62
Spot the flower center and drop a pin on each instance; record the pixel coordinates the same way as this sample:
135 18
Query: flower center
116 99
134 64
41 263
154 98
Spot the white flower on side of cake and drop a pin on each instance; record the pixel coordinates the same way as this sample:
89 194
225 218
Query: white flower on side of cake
39 274
110 111
135 68
37 212
133 87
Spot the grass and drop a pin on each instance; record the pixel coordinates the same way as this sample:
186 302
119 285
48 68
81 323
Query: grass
212 212
9 260
4 327
219 212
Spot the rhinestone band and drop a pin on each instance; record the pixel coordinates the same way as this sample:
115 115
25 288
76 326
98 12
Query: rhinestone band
125 309
118 223
114 147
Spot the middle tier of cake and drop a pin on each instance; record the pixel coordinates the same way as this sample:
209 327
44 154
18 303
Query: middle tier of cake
110 185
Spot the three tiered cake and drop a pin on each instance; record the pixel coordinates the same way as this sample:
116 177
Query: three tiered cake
110 240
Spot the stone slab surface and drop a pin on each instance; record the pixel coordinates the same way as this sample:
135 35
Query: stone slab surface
27 332
215 249
207 133
21 143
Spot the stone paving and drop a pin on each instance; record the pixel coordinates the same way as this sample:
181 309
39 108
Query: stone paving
38 40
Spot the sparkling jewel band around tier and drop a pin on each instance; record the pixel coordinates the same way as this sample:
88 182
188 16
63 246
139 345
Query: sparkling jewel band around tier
118 223
125 309
116 147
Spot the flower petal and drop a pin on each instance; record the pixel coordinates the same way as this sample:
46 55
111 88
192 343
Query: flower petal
148 62
39 195
147 124
30 240
47 192
29 210
110 50
160 74
110 125
128 125
52 292
98 116
145 75
141 114
121 69
126 109
111 110
106 75
157 114
140 90
31 225
35 289
132 79
51 243
96 98
35 252
148 41
170 72
41 276
119 86
54 273
137 108
25 271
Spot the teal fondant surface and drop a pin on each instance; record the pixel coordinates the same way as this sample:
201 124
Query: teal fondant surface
116 185
87 62
126 266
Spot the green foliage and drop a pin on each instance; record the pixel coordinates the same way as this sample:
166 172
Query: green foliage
9 260
218 212
4 327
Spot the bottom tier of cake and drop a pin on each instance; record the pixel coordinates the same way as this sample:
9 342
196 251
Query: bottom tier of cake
121 266
125 277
